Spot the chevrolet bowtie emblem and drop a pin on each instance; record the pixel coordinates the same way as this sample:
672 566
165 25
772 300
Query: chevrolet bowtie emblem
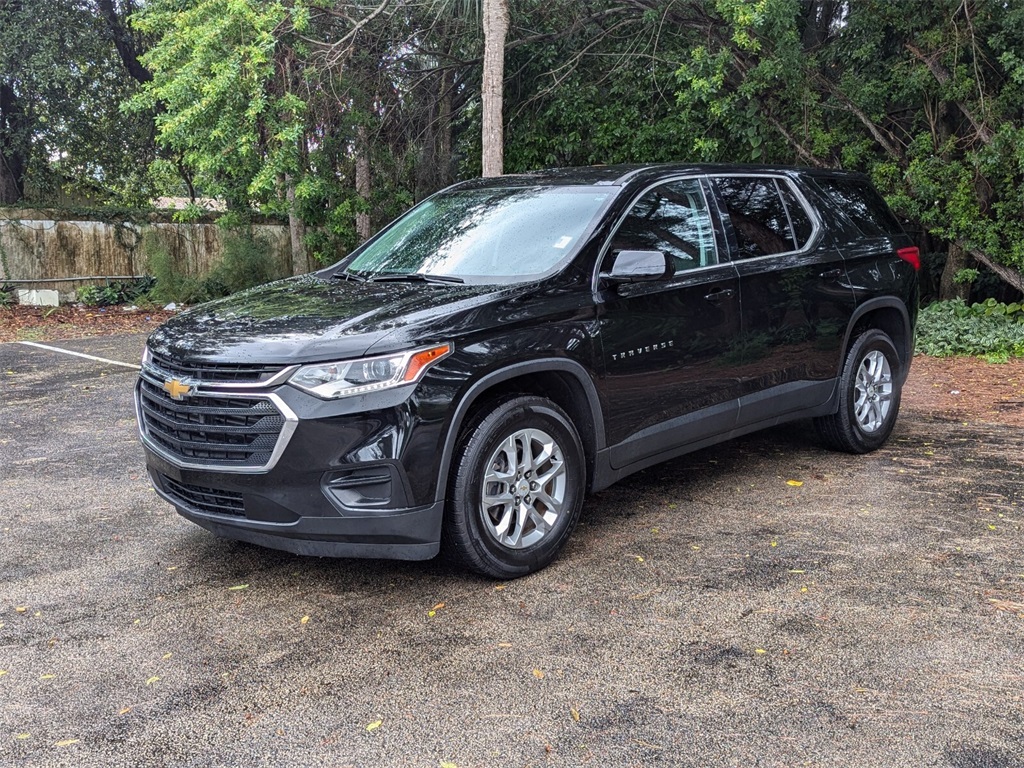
178 390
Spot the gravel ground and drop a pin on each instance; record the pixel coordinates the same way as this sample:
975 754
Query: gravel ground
708 612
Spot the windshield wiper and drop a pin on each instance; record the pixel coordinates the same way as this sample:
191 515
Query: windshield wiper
416 277
346 275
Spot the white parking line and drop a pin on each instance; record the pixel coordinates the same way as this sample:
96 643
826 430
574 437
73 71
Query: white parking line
80 354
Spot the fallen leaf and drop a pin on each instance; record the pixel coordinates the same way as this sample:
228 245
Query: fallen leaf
538 674
124 710
446 764
500 587
167 655
438 607
153 679
374 725
504 645
47 677
23 736
1007 605
638 558
3 672
796 570
795 483
21 608
67 742
760 650
575 715
775 543
238 587
304 620
431 614
172 568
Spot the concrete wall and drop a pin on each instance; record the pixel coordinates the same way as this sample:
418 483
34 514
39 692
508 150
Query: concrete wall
57 249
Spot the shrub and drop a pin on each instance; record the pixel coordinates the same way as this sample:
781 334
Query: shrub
169 283
115 292
990 330
247 261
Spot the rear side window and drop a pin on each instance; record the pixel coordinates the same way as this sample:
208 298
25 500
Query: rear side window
766 215
865 207
672 218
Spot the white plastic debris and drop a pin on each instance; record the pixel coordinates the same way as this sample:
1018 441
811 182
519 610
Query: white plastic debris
38 298
171 307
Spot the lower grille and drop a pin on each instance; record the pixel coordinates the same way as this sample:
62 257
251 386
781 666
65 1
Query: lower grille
211 429
209 500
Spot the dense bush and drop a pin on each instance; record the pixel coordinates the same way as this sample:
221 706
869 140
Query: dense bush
116 292
247 262
990 330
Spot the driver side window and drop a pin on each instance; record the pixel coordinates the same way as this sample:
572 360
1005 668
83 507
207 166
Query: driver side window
672 218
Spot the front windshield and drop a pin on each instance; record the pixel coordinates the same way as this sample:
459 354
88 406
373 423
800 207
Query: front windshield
484 235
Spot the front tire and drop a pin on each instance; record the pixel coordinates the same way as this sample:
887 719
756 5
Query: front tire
869 396
515 490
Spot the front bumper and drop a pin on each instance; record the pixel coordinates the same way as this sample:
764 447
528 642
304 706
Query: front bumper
355 477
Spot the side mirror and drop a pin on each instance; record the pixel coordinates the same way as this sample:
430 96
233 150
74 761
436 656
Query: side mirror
638 267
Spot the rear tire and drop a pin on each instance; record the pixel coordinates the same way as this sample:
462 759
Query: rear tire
869 396
516 488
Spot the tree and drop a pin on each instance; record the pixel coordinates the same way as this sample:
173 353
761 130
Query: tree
495 22
62 80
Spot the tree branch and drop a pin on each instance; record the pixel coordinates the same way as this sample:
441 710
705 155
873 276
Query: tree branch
1010 275
941 74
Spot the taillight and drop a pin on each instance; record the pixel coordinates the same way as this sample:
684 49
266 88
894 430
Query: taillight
910 255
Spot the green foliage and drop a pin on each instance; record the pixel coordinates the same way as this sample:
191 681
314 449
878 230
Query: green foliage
990 329
214 65
66 83
247 261
7 296
171 283
114 292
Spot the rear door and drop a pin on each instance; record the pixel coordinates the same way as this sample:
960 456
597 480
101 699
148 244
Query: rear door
795 296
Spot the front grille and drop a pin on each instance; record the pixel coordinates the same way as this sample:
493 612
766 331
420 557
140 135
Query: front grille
209 500
211 429
236 372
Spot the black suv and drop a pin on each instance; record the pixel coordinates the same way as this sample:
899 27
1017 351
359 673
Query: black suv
464 378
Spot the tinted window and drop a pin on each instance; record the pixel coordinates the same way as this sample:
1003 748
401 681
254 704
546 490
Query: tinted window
759 216
674 219
798 218
484 235
862 204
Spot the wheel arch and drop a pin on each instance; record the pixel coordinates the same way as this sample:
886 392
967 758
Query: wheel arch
887 314
564 382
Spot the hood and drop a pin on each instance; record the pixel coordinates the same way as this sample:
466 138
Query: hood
309 318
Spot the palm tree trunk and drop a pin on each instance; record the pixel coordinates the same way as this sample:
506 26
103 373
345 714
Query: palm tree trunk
495 14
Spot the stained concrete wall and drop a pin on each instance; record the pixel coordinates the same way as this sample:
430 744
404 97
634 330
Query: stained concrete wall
57 249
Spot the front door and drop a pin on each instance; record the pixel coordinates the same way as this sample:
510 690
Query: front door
667 372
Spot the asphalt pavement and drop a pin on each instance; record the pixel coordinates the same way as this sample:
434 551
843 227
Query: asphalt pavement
762 603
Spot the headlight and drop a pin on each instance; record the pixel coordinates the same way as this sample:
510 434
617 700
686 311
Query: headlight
371 374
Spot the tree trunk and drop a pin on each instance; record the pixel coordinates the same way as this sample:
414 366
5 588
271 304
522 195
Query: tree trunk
495 30
296 231
12 162
363 183
956 260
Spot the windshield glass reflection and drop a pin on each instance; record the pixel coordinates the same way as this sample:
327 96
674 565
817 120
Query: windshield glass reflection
484 235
